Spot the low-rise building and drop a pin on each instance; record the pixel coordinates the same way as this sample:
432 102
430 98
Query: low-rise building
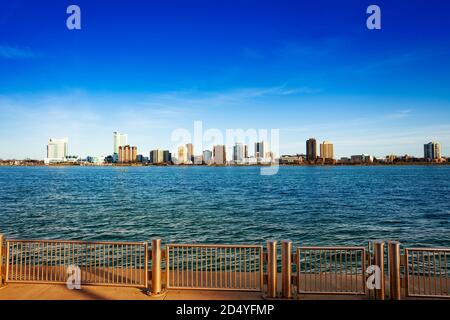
363 158
291 159
95 159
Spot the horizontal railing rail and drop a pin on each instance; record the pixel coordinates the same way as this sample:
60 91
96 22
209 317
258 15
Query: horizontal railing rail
214 267
331 270
100 263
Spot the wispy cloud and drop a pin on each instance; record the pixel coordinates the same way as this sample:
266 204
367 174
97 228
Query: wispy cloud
399 114
233 95
9 52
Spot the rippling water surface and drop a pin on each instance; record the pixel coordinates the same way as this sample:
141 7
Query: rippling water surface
309 205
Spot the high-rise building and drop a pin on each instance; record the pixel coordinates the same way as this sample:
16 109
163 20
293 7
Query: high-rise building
219 154
239 150
127 154
432 151
167 156
311 149
133 154
182 155
156 156
207 156
261 149
57 149
326 150
190 152
119 140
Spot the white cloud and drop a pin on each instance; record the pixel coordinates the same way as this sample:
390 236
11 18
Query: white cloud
9 52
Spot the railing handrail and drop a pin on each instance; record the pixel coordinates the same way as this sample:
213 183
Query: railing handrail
76 242
331 248
428 249
213 246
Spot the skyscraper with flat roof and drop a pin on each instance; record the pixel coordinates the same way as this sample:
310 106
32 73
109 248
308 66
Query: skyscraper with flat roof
182 155
432 151
239 151
57 149
261 149
119 140
157 156
190 152
311 149
219 154
326 150
167 156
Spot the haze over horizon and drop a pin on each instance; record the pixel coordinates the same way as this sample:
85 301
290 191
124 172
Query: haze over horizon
149 68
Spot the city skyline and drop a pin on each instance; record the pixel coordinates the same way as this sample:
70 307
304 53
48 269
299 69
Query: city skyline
123 153
309 69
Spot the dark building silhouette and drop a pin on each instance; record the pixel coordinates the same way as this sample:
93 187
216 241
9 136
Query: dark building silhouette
167 156
311 149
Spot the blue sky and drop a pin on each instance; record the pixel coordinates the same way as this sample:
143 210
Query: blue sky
308 68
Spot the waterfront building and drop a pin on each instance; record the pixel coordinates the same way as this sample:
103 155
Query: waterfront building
57 150
391 158
311 149
198 159
239 152
261 149
141 158
250 161
73 158
291 159
207 156
157 156
219 154
96 159
127 154
363 158
326 150
167 156
432 151
119 140
182 155
190 152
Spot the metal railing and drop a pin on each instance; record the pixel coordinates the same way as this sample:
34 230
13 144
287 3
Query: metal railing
331 270
100 263
214 267
418 272
427 272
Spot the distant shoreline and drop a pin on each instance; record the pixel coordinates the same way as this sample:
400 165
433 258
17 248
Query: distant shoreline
232 165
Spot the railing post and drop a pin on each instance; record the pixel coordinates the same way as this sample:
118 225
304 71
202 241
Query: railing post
271 269
379 261
394 270
156 267
286 269
1 259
